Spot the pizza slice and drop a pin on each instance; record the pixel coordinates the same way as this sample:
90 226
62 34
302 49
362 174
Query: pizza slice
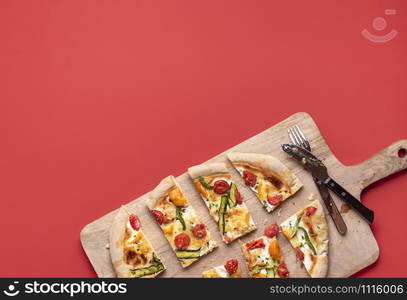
131 253
307 232
267 177
183 228
263 255
230 269
223 200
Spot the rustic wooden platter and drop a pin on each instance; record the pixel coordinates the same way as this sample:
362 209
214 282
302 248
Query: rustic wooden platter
347 254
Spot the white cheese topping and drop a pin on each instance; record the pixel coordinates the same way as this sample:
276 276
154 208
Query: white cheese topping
221 271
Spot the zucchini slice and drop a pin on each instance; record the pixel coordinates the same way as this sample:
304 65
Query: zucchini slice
222 211
232 195
187 254
137 273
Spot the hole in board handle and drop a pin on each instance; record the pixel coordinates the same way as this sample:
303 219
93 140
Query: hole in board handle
402 153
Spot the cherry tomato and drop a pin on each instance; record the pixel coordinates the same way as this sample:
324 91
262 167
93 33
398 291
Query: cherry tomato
238 197
274 200
227 239
220 187
249 178
271 230
310 210
299 253
231 266
135 222
159 216
255 244
282 270
199 231
182 241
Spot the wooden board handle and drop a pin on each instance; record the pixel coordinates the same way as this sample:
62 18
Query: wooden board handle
384 163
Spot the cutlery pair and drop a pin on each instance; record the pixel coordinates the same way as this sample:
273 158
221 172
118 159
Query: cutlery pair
300 150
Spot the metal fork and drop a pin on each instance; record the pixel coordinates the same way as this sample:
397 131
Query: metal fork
298 138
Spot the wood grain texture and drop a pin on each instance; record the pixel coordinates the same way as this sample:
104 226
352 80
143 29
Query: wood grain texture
348 254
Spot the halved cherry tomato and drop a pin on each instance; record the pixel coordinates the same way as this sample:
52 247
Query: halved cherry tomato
199 231
227 239
159 216
135 222
220 187
282 270
255 244
299 253
271 230
274 200
182 241
249 178
238 197
310 210
231 266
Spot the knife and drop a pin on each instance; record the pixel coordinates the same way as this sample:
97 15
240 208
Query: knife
331 207
320 172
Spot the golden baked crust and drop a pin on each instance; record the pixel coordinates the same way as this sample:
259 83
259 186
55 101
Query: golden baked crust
130 250
273 179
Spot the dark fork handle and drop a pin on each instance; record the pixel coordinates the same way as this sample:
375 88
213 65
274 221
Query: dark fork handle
331 207
362 210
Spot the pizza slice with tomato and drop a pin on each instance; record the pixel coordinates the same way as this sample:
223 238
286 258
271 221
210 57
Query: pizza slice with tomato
307 231
131 252
267 177
183 228
263 255
230 269
223 200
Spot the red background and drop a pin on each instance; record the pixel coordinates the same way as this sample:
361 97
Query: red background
102 99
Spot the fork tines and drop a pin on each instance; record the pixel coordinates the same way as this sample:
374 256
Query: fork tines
298 138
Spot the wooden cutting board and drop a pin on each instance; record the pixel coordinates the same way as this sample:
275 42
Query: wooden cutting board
347 254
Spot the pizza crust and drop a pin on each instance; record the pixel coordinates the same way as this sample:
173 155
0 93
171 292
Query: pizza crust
160 191
207 169
320 228
116 238
321 267
269 164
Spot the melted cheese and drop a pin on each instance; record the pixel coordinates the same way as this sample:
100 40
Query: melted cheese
217 272
173 226
299 241
264 188
238 220
135 242
261 257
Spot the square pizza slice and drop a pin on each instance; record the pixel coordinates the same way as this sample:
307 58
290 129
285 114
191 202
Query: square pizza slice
183 228
223 200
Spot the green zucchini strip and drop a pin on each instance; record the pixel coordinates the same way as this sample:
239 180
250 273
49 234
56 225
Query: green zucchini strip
147 270
204 184
179 217
308 240
297 223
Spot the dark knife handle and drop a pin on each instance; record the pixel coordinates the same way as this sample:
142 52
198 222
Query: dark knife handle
362 210
331 207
